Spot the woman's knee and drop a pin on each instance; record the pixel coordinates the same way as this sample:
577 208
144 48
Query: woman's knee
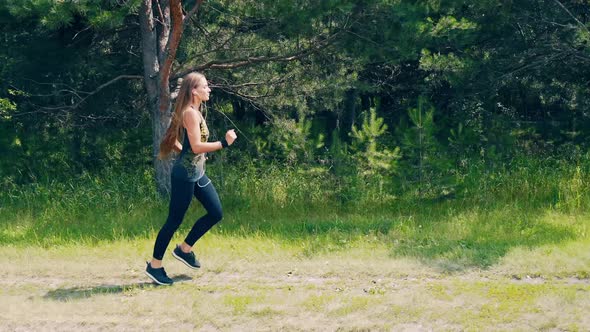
172 225
216 214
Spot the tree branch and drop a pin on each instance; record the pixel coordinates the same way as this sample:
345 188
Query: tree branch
164 32
251 101
241 62
161 14
534 64
274 81
95 91
194 10
170 54
572 15
582 57
219 47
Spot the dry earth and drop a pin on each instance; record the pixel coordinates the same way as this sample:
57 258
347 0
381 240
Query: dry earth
267 287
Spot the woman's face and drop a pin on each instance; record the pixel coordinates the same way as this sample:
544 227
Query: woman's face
202 90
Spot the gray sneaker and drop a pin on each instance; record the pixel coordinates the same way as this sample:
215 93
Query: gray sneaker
188 259
158 275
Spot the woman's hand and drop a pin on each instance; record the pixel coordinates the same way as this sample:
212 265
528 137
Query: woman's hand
230 136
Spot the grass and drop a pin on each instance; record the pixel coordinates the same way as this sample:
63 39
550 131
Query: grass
530 204
509 251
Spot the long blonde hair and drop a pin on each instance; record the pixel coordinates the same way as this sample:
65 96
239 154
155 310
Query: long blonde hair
183 100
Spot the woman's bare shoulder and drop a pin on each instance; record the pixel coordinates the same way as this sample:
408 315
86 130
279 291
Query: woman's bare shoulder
192 115
189 111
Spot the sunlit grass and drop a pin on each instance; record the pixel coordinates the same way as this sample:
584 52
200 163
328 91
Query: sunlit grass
526 205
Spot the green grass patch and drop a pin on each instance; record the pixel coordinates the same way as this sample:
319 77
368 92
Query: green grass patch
526 205
239 303
505 303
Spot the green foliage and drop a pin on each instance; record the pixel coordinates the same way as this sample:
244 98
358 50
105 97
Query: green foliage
462 141
572 191
448 65
292 143
496 89
54 15
52 125
341 162
6 107
372 160
424 160
447 25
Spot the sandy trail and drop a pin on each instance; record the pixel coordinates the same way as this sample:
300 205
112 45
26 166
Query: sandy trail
104 288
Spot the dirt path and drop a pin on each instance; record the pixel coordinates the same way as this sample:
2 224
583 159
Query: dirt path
104 288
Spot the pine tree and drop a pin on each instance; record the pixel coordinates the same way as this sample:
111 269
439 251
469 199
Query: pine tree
425 164
373 160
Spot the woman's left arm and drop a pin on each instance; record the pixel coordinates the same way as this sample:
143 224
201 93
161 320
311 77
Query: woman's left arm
177 146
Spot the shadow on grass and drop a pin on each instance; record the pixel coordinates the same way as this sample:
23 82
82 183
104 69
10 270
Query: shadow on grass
452 235
476 246
77 293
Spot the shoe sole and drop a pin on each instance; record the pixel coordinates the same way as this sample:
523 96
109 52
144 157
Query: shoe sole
156 280
185 262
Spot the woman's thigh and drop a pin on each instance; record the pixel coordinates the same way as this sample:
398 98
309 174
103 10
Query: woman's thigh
206 193
180 197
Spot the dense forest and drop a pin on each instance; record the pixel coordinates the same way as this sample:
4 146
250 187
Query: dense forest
414 165
396 96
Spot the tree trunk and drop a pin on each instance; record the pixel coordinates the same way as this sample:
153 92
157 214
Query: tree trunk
348 114
160 122
159 41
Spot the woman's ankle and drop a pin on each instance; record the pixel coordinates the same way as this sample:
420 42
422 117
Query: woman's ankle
185 247
156 264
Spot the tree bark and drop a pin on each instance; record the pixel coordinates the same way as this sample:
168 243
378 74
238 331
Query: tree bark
162 25
348 114
150 41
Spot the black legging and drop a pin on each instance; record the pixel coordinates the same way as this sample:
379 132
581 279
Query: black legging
182 194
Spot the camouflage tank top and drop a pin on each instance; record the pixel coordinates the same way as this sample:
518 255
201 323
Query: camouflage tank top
190 166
